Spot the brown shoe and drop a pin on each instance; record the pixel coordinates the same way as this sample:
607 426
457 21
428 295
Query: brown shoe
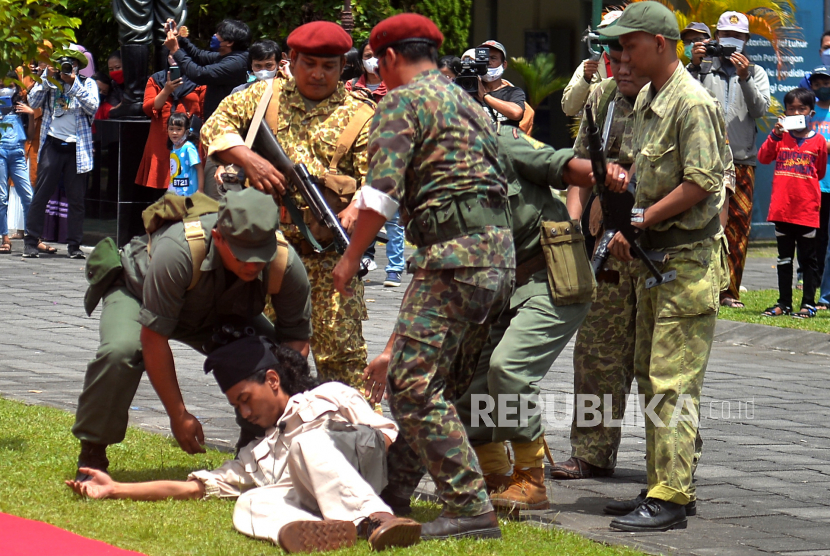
384 530
321 536
576 468
496 482
484 526
526 492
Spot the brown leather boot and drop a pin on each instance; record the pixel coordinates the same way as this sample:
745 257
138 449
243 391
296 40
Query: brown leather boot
317 536
526 492
384 530
496 482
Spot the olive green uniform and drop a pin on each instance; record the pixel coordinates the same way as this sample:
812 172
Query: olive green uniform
680 135
152 292
532 331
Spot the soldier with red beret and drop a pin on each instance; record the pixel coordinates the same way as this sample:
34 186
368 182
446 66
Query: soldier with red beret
310 113
434 156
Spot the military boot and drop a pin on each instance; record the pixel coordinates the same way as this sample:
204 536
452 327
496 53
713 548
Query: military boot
527 491
93 456
497 482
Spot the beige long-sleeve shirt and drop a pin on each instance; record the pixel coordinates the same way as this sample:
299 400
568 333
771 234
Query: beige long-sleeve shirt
264 461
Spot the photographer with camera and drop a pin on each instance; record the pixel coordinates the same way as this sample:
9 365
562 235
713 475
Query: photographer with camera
742 91
504 103
69 102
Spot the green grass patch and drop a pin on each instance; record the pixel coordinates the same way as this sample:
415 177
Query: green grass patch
37 452
757 301
762 249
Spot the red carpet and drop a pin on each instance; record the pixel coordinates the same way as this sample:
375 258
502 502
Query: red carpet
24 537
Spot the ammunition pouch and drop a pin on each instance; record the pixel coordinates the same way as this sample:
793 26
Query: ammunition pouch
673 237
570 275
460 217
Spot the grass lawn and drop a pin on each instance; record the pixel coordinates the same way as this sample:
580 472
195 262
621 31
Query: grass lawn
37 452
765 249
757 301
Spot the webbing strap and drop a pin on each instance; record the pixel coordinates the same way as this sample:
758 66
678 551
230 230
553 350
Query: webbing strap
349 135
195 235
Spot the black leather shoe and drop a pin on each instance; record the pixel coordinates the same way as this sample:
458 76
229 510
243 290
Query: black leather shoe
484 526
94 456
400 505
625 507
652 515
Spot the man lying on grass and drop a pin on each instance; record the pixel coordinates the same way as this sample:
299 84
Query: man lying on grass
312 482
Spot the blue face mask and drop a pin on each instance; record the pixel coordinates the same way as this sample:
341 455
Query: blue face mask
214 43
825 57
808 121
823 94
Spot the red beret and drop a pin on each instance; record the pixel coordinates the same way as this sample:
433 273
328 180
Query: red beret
404 28
320 38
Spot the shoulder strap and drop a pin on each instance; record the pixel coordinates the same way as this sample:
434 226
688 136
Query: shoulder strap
272 114
264 101
277 271
195 235
349 135
605 100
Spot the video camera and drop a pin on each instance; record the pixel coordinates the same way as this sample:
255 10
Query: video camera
714 49
65 64
468 71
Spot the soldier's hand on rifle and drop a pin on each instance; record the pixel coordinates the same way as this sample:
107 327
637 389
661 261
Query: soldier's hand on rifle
616 178
262 175
348 216
620 248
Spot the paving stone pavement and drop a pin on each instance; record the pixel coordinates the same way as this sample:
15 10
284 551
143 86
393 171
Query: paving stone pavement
763 483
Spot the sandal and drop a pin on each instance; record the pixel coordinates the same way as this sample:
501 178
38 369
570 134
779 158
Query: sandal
5 248
806 312
16 235
43 248
777 310
821 307
732 303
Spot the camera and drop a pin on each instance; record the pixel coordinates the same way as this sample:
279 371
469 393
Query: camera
468 71
65 64
715 49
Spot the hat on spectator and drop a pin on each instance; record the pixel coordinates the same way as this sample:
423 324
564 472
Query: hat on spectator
404 28
649 17
696 27
609 18
821 70
733 21
248 221
497 45
69 53
320 38
236 361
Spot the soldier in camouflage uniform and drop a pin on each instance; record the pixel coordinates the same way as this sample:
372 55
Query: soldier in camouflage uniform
681 147
313 112
604 350
433 154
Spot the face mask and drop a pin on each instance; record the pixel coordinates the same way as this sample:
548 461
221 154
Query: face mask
262 75
729 41
493 74
808 121
687 51
214 43
823 94
371 65
117 76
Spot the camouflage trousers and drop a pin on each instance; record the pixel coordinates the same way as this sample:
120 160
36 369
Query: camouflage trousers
441 329
337 342
604 362
522 346
675 328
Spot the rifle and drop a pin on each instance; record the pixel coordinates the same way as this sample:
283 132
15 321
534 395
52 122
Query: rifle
616 212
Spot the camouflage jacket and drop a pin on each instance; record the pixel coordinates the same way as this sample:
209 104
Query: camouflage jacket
620 145
431 144
308 134
680 135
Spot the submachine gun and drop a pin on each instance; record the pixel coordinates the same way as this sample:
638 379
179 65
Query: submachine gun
617 211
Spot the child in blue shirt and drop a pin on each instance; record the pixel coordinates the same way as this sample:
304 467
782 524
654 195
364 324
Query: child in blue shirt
186 173
13 135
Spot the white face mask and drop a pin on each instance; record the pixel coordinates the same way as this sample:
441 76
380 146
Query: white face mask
493 74
371 65
825 57
262 75
729 41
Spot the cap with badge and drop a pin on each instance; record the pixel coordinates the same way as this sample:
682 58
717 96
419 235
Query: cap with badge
320 38
404 28
649 17
248 221
733 21
236 361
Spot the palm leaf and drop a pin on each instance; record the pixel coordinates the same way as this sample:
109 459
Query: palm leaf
539 77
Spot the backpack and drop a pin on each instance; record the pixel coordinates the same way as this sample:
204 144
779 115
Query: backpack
189 210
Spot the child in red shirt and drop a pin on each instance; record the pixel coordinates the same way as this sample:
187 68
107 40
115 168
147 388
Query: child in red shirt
800 162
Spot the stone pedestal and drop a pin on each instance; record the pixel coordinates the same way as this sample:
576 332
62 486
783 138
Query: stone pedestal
114 201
